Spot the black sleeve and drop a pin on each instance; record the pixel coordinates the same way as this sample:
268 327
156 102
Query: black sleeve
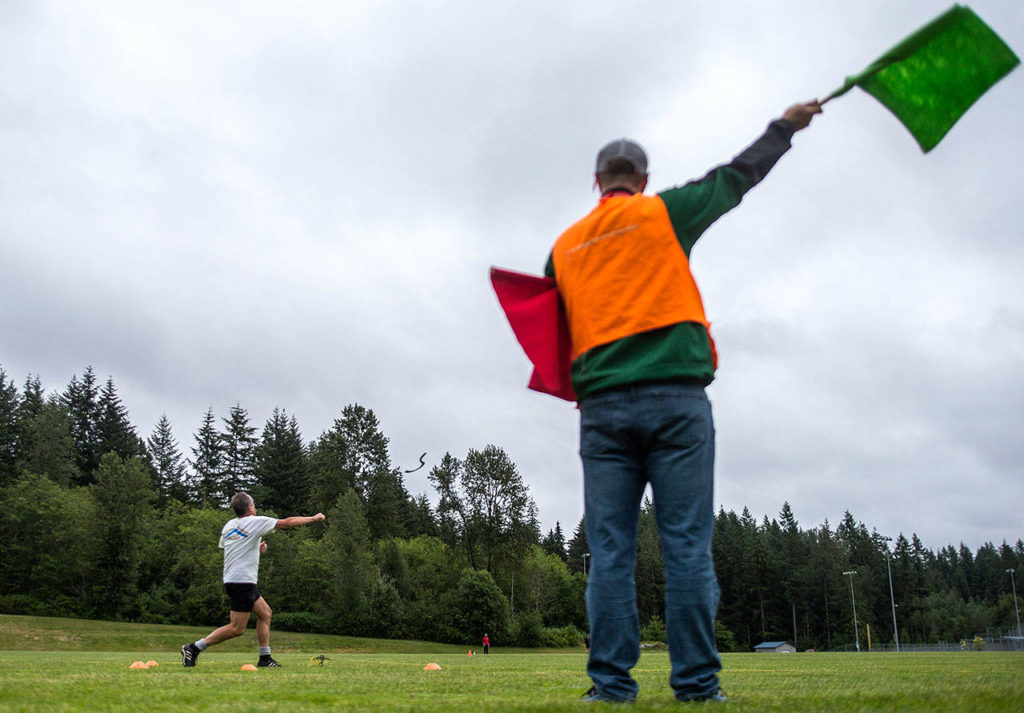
693 207
755 161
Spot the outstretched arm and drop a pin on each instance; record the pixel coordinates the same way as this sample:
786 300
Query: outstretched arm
695 206
290 522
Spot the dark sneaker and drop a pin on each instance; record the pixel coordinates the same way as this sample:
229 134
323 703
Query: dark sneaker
189 654
594 695
267 662
716 696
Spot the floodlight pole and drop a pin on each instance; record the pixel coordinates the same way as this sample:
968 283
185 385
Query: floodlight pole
1015 607
892 595
585 555
856 633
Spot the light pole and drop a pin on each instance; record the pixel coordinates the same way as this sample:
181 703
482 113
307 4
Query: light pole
585 555
892 596
1015 608
853 599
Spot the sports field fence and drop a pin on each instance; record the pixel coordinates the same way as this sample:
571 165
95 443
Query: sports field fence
994 639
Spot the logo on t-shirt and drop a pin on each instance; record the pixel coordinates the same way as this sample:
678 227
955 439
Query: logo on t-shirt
235 535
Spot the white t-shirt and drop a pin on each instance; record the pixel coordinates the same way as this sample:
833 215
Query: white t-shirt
240 539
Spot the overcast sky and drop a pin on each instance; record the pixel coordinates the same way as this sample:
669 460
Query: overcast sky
296 205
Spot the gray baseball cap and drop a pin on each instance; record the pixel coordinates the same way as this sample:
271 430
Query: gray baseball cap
622 150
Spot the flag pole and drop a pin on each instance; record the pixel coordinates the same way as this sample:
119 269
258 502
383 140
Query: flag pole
827 99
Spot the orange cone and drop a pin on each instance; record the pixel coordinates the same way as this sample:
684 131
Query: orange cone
138 664
470 652
248 667
152 663
431 667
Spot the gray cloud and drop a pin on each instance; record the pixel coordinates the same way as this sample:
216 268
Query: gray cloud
298 209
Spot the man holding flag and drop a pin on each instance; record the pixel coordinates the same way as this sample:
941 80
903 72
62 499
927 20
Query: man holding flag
618 325
642 355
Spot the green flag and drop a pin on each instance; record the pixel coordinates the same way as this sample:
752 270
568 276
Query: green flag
933 76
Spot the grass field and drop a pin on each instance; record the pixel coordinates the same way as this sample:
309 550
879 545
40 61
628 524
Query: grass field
31 633
392 680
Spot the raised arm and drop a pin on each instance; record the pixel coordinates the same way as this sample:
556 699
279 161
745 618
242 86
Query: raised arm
695 206
297 521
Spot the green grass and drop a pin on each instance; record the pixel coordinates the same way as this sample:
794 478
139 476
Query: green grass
32 633
84 680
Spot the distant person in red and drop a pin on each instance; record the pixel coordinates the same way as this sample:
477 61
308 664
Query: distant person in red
487 644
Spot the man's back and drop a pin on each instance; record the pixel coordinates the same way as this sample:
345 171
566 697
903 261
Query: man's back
240 539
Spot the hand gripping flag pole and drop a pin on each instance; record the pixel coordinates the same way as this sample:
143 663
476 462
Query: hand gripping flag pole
930 79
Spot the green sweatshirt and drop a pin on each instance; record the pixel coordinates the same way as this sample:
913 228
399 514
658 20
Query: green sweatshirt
680 352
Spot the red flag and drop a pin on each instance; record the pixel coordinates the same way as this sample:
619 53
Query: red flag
537 317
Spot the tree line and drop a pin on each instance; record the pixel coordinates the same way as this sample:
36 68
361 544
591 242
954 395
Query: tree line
99 522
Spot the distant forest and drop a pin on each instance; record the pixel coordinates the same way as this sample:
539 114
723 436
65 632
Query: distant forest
98 522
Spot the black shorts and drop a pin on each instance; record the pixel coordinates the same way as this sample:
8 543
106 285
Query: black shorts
243 595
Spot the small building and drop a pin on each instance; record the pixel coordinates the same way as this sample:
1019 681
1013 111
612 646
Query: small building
775 647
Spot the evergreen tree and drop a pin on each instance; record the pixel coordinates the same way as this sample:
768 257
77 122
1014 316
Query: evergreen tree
990 574
394 567
422 520
387 505
794 575
969 579
30 405
205 486
123 496
114 432
727 550
328 456
48 445
238 454
650 567
578 550
905 583
80 399
281 470
787 521
826 561
10 442
32 399
775 614
749 591
554 542
350 558
169 473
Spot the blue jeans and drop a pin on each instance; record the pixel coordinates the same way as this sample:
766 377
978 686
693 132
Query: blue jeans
661 434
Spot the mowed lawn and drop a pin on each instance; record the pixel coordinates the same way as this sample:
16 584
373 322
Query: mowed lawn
388 680
86 681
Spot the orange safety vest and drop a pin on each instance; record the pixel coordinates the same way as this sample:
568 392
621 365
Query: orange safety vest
621 271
